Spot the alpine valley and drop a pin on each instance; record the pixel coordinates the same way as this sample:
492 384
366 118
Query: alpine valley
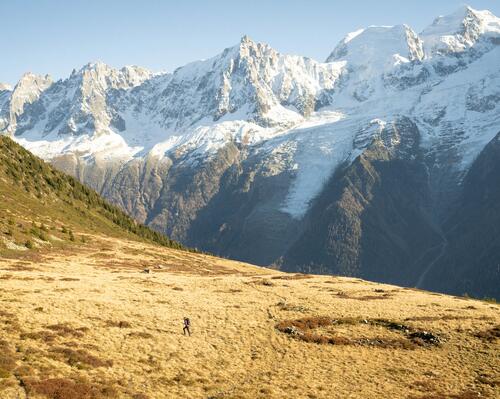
383 162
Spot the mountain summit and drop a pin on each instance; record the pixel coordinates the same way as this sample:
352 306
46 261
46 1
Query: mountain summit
351 166
457 32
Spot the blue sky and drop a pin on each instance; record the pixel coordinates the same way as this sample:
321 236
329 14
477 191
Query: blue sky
50 36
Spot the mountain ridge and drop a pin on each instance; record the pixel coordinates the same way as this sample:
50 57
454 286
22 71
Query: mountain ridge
39 203
255 136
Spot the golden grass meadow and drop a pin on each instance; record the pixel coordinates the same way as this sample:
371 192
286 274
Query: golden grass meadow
89 322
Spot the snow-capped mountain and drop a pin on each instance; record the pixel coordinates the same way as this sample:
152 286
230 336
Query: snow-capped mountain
244 154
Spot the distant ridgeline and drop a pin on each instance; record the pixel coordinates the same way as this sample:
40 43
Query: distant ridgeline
32 190
381 162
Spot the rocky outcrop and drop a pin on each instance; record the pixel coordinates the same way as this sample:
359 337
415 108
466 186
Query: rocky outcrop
353 166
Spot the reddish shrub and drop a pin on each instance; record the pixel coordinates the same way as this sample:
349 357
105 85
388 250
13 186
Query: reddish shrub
64 388
79 358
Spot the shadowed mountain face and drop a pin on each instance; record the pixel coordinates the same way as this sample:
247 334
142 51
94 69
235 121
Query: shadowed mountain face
373 219
360 165
376 218
471 260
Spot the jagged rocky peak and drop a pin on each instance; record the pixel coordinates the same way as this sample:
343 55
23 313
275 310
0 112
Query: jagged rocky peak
5 87
27 90
109 77
249 81
247 48
250 48
380 46
461 30
31 83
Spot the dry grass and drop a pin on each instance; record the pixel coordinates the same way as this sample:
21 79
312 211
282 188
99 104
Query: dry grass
43 335
65 330
140 334
64 388
302 329
119 324
305 323
490 335
78 358
7 359
297 276
115 332
461 395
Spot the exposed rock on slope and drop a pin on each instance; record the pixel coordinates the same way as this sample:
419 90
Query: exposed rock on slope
252 153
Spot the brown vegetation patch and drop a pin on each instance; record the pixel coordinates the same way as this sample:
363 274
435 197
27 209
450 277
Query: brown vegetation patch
69 279
297 276
266 283
437 318
24 371
486 379
20 268
66 330
424 385
344 295
64 388
229 291
126 265
291 308
461 395
4 313
119 324
140 334
10 321
305 323
7 359
79 358
372 297
43 335
302 329
490 335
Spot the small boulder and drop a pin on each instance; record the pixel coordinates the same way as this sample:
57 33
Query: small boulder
292 330
426 336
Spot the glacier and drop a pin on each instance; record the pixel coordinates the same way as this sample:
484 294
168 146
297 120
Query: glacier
298 114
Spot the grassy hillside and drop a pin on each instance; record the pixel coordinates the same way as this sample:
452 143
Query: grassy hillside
92 325
41 207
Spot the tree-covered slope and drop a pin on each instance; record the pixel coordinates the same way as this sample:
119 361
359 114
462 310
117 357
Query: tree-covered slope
471 262
41 207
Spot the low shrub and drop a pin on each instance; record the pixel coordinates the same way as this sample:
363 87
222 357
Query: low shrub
119 324
64 388
79 358
489 335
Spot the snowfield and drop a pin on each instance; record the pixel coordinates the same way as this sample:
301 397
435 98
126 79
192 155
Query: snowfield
306 116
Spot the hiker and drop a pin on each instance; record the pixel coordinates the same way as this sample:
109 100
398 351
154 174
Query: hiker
187 324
